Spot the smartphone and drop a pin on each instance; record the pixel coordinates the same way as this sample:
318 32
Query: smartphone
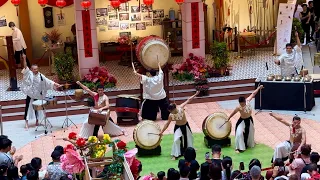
207 155
241 166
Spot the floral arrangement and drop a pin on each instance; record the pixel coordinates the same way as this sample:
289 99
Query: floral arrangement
54 36
123 40
71 161
192 68
99 76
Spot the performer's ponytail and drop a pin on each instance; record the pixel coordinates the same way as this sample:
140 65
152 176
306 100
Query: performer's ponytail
227 165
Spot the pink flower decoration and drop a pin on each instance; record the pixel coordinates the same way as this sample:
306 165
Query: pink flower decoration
72 162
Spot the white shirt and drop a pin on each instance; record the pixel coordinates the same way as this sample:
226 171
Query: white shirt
18 40
153 87
32 85
291 63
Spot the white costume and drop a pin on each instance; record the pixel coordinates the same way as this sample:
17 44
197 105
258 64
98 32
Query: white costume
110 128
292 63
35 87
182 134
245 130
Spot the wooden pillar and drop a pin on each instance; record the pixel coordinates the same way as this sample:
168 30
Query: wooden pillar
24 26
12 65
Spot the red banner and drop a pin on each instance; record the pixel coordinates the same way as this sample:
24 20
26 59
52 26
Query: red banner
87 41
195 25
2 2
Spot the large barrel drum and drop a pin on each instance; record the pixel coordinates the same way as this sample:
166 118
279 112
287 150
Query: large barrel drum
146 135
152 49
127 106
212 126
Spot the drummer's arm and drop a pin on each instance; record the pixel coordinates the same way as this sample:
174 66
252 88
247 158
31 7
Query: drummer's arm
189 99
165 127
279 119
254 93
86 89
107 105
233 113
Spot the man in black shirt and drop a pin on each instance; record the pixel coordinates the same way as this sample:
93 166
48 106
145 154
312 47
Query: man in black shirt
216 156
312 19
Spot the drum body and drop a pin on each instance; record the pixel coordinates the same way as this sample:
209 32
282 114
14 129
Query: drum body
39 105
78 94
211 126
127 106
51 101
151 50
145 135
98 118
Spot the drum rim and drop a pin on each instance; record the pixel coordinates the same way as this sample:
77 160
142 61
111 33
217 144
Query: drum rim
44 101
135 138
206 132
129 96
148 45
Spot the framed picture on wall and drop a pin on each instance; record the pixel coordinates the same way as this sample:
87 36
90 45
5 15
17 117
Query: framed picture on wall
121 34
158 13
135 9
133 25
111 9
135 17
149 23
113 25
156 22
123 16
3 22
124 7
147 16
141 26
113 17
102 12
124 26
145 8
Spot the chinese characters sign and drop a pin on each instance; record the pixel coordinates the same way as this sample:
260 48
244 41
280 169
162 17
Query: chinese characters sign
195 25
87 41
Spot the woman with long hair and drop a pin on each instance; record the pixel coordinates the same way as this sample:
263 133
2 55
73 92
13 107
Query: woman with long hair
190 161
215 171
226 168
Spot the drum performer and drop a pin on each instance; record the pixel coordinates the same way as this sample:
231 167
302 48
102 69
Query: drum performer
154 95
35 85
297 139
244 127
101 106
291 61
182 133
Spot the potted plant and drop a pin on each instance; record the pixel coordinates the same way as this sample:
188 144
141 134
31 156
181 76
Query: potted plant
64 64
296 26
201 84
220 56
99 76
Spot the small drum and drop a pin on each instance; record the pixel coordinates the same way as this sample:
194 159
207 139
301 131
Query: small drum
127 106
211 126
152 49
78 94
39 105
51 101
98 118
145 135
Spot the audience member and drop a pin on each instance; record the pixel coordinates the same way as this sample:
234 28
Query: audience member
190 160
54 171
215 171
255 172
13 173
23 171
278 169
33 175
216 157
226 168
5 156
314 159
161 175
3 171
173 175
184 172
300 162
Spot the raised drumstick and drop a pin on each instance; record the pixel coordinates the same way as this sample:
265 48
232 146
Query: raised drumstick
134 69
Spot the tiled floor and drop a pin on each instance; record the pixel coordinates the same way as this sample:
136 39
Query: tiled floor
267 130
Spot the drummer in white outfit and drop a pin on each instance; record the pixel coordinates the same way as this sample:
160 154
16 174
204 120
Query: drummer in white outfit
101 106
35 85
182 133
244 127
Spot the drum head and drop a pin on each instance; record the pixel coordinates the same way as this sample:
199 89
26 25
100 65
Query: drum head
153 52
132 96
39 102
212 126
142 137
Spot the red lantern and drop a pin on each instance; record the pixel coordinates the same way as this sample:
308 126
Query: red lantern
179 2
115 4
86 4
42 2
123 1
61 3
15 2
148 2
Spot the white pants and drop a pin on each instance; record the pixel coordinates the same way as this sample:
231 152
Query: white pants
176 147
282 150
110 128
240 140
31 114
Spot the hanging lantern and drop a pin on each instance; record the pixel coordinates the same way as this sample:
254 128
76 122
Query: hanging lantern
148 2
86 4
123 1
115 4
179 2
15 2
61 3
43 3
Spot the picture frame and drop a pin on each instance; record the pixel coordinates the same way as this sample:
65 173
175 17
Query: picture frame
141 26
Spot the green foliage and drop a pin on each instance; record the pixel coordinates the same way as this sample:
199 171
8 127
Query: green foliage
220 54
183 76
297 24
64 64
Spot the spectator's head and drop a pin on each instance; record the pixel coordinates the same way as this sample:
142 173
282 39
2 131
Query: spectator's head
278 162
13 172
227 166
190 154
100 90
293 177
296 121
306 149
314 157
170 170
242 101
36 163
12 25
216 150
3 137
153 72
304 7
161 175
215 171
60 149
173 175
23 170
255 172
289 47
254 162
236 175
5 145
184 171
172 107
312 169
33 175
310 3
3 169
55 155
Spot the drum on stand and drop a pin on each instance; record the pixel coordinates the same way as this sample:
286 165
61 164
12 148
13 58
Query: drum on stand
152 49
96 118
39 105
51 101
78 95
216 129
147 139
127 109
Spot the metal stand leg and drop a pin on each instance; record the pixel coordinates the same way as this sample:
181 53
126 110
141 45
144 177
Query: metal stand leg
47 125
260 105
66 124
305 102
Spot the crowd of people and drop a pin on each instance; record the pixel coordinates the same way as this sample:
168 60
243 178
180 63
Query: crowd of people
309 19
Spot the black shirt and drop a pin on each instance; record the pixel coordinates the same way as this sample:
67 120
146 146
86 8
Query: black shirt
193 165
204 169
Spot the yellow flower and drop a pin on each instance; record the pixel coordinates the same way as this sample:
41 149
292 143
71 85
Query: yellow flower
93 139
106 138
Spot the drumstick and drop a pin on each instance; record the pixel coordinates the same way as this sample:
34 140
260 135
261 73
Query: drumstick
223 124
154 134
134 69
